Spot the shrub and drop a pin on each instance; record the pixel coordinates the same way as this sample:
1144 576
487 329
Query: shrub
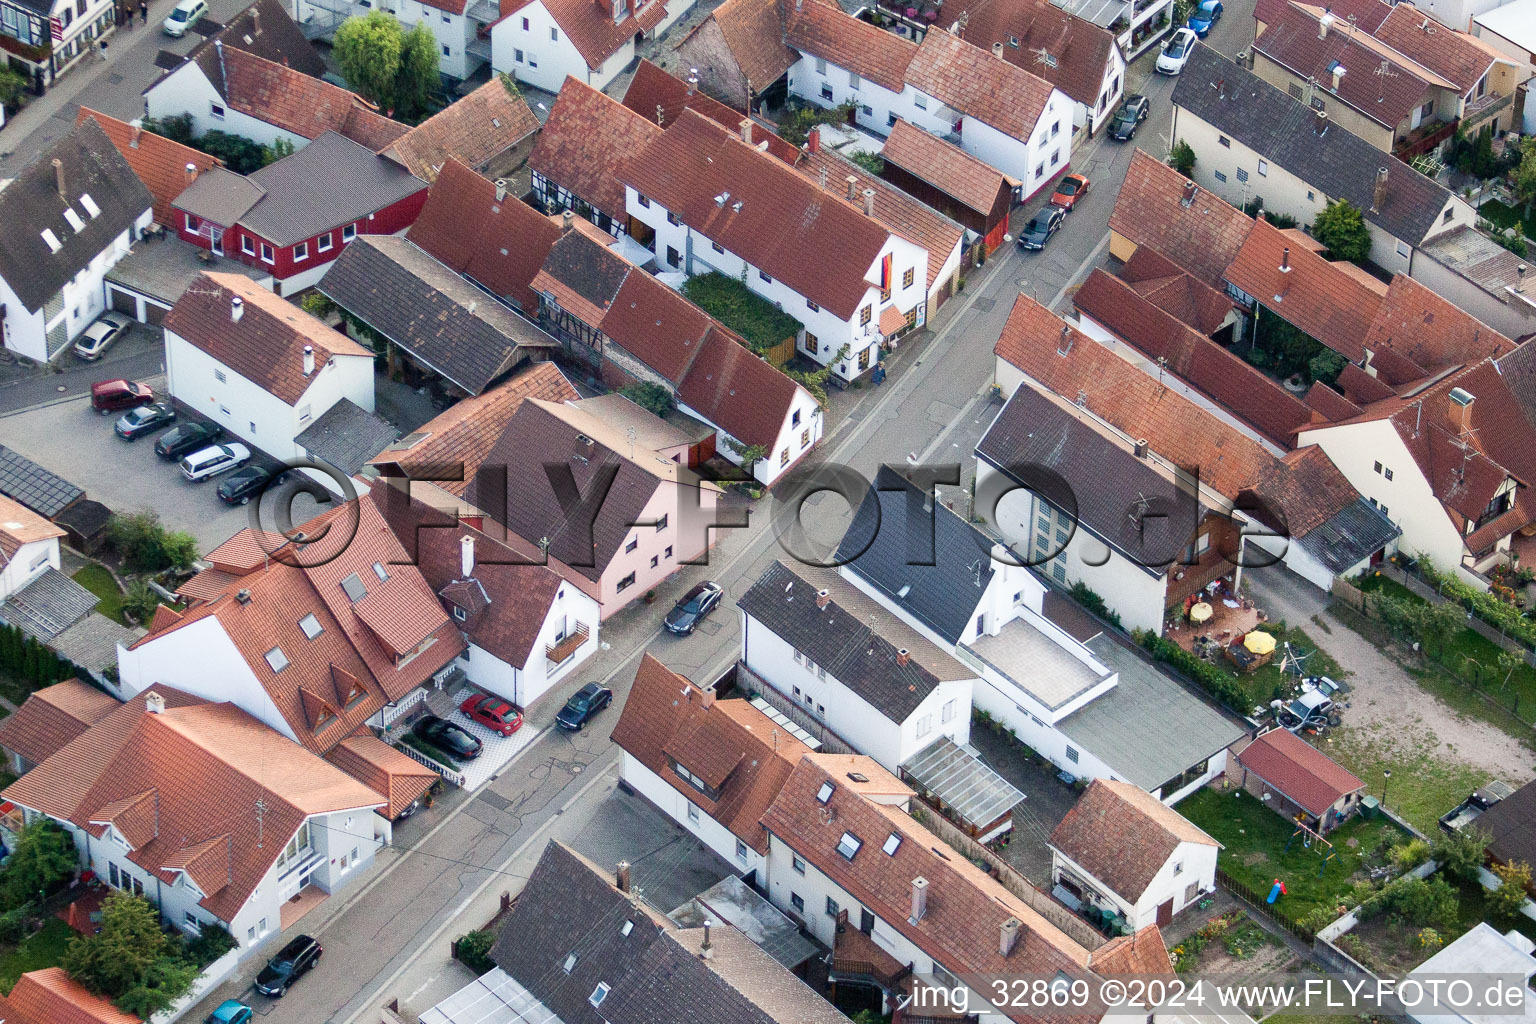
1460 854
760 323
1341 228
1428 938
1094 602
1485 606
147 546
475 951
1419 901
796 126
1216 681
140 601
1505 902
651 397
43 857
211 942
1182 158
317 305
871 162
16 922
1409 855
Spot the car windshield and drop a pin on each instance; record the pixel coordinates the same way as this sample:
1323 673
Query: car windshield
1126 114
1178 47
1037 226
178 15
1068 187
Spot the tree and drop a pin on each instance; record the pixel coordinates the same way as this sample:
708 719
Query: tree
1525 175
1459 854
146 546
1325 366
1182 159
474 951
12 85
163 982
797 125
1438 624
276 151
121 955
1505 902
871 162
140 601
44 856
1341 228
394 69
749 454
651 397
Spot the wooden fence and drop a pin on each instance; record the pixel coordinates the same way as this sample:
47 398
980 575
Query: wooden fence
1255 901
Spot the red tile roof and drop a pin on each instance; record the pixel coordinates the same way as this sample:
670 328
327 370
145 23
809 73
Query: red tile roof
1306 489
979 85
50 996
660 98
266 346
1368 13
1434 333
1304 774
1208 367
1123 835
306 106
52 717
1142 953
497 243
1081 49
729 743
472 130
160 163
815 242
754 32
587 139
1455 56
747 396
945 166
825 31
19 525
656 325
1203 237
206 767
383 769
590 26
1176 291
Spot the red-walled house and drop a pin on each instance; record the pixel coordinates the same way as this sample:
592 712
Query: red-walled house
293 217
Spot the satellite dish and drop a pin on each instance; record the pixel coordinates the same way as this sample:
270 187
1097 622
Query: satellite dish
1007 238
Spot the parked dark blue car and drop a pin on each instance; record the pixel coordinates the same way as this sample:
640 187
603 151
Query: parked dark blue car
584 703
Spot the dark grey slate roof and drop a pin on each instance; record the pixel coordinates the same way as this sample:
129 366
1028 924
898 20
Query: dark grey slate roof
330 182
1268 121
92 642
1100 482
346 436
90 165
220 195
48 606
1355 531
587 268
437 317
25 481
853 651
938 579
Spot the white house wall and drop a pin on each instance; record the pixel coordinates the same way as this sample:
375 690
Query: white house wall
1495 309
1189 864
29 562
526 685
547 54
24 330
710 832
188 91
794 439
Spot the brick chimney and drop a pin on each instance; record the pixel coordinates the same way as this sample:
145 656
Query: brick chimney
919 898
58 178
1379 192
1324 24
1459 405
869 202
824 597
1338 75
190 172
1190 190
746 130
621 876
133 141
813 141
1008 935
501 189
853 188
903 656
706 696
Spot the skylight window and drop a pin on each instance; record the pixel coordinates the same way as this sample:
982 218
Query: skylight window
849 845
51 239
598 994
380 571
408 441
90 205
74 220
892 844
570 963
825 792
277 659
629 926
311 626
354 588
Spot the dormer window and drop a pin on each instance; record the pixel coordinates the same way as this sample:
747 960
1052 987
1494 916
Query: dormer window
353 586
311 626
570 964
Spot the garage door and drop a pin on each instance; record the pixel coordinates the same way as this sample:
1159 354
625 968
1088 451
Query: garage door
123 302
154 314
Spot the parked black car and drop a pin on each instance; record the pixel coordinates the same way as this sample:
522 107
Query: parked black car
692 607
290 963
448 737
146 419
1129 117
187 438
584 703
239 487
1041 227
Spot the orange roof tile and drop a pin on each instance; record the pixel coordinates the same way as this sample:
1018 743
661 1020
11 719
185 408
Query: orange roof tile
295 102
591 28
50 996
1453 55
587 138
1143 952
754 32
1298 770
160 163
472 130
1027 27
1432 332
1202 237
1123 835
19 525
945 166
827 32
979 85
748 397
383 769
660 98
52 717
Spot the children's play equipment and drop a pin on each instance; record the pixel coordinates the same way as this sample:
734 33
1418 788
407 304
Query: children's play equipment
1310 835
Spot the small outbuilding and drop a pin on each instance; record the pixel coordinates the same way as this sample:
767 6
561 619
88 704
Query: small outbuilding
1293 777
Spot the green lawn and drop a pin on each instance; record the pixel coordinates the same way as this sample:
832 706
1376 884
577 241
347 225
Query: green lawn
43 949
1504 216
760 323
1254 837
1424 785
1268 683
99 581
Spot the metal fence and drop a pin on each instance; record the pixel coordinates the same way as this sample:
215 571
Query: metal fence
1255 901
448 774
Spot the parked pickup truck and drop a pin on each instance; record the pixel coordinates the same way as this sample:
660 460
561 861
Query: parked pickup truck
1461 817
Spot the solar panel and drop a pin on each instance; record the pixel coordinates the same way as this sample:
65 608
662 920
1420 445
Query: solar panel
25 481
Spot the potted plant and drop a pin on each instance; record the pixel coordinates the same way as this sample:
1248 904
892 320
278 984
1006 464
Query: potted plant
650 596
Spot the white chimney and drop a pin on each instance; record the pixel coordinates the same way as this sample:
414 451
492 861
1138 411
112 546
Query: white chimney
853 188
746 130
1324 24
1008 935
501 189
154 703
236 309
466 556
1338 76
997 49
309 360
919 898
869 202
1520 272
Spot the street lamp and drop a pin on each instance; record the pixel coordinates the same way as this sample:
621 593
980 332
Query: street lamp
1386 777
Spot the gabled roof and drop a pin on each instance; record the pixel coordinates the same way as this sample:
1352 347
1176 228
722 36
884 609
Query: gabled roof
1299 770
945 166
1454 55
189 774
471 130
1032 30
1422 326
1208 367
299 103
1282 129
1123 835
583 275
1202 236
266 345
53 717
357 183
1292 42
980 85
1309 491
346 435
826 31
40 201
660 98
1175 291
733 747
966 907
265 29
462 436
816 243
591 27
1368 14
160 163
20 526
383 769
50 996
588 137
855 638
754 33
903 215
940 589
499 243
437 317
745 395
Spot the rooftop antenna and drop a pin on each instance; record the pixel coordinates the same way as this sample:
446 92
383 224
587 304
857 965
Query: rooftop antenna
631 432
1162 362
261 809
1143 506
1044 56
975 568
1385 71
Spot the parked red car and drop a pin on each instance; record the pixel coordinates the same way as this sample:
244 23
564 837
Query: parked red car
1069 190
109 396
493 713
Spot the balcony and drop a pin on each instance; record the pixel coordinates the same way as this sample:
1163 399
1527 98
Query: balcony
559 653
857 959
1483 110
484 11
480 47
1423 139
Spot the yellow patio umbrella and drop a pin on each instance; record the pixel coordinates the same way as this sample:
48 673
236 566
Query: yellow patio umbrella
1200 612
1259 642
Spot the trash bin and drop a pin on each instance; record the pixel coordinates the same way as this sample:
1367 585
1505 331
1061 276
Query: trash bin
1370 807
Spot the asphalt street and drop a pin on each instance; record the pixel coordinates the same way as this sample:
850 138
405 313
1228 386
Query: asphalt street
387 937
